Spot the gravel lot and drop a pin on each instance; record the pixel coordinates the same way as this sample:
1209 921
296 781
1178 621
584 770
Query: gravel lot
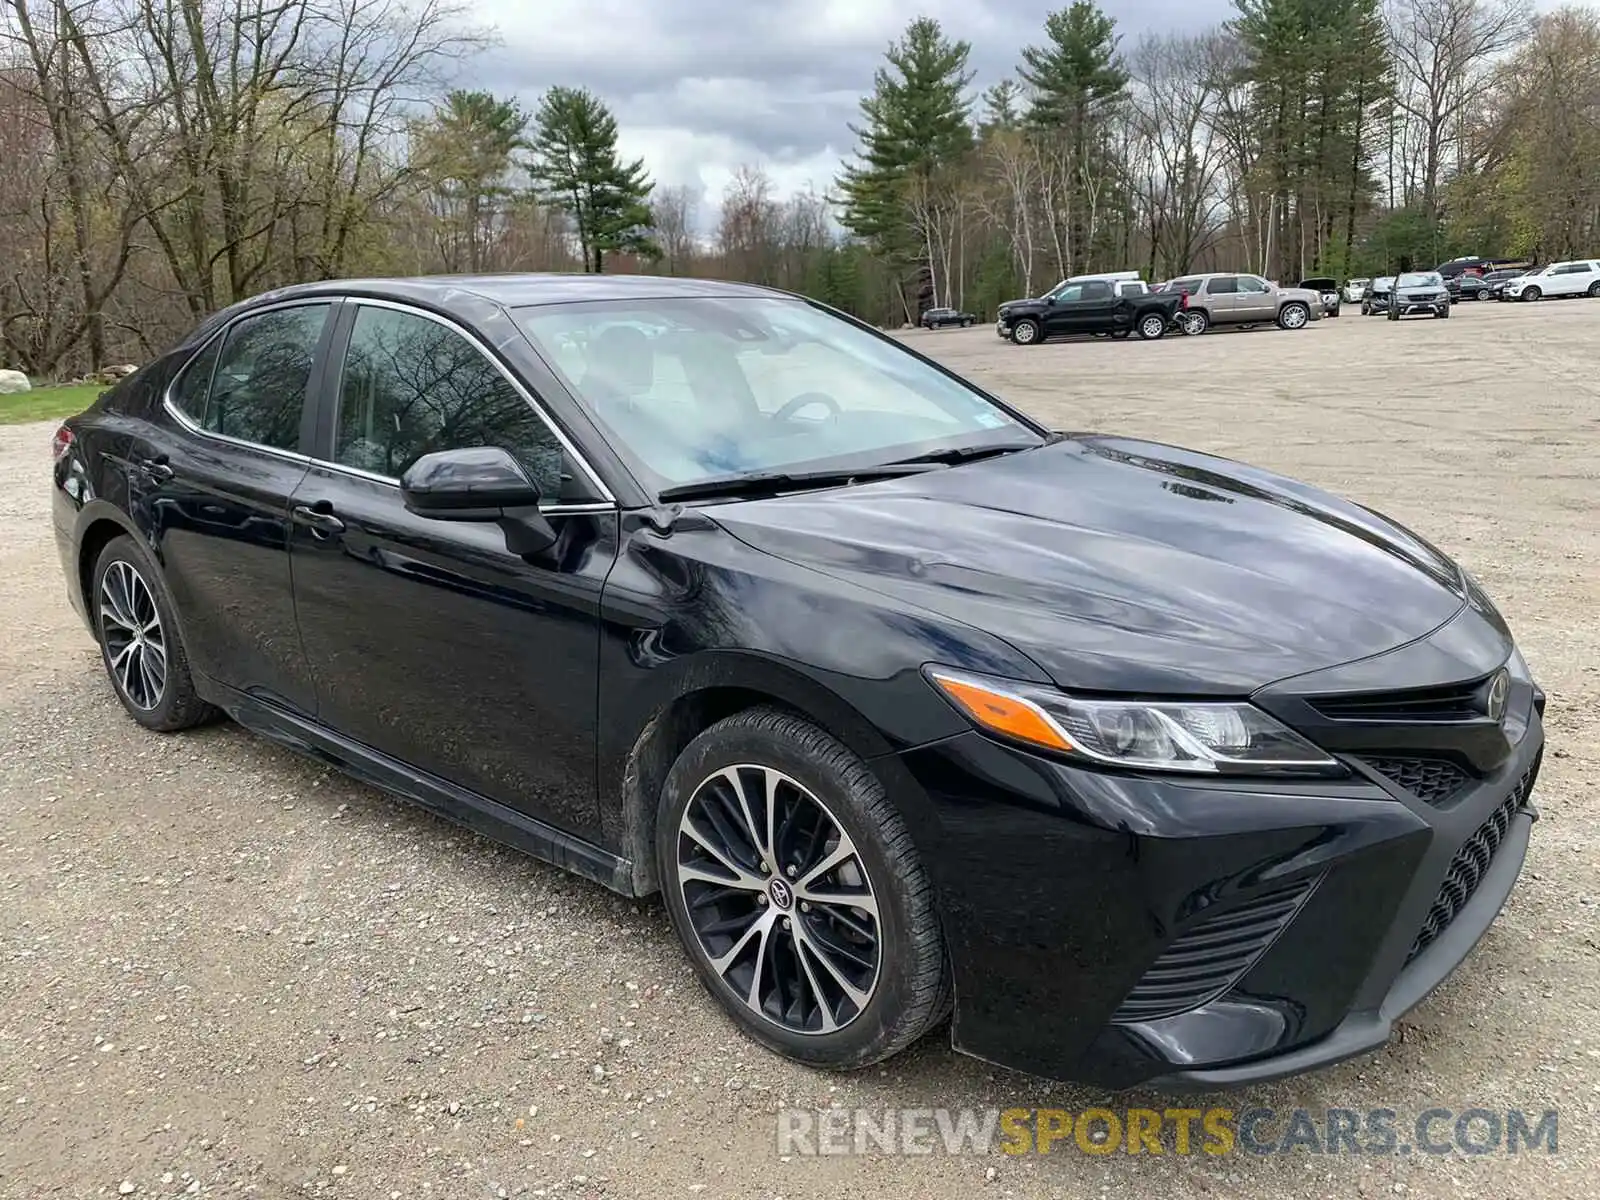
226 971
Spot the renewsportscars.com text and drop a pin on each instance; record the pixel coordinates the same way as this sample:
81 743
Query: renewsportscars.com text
1178 1131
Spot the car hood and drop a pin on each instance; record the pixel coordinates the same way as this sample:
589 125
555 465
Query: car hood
1123 565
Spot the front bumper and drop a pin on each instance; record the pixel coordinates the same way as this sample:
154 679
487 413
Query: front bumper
1100 926
1408 305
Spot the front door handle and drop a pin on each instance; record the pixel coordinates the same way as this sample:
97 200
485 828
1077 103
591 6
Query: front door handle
318 518
156 468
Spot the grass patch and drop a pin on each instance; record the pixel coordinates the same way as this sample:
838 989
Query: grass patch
48 403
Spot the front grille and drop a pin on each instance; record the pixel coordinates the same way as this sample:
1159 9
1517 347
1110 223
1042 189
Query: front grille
1206 960
1471 864
1456 702
1434 781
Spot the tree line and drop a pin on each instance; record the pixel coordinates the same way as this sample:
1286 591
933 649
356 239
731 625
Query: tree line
160 159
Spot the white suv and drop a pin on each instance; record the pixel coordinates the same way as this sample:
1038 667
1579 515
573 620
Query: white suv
1579 278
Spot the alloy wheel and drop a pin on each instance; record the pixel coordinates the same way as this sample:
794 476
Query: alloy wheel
135 643
779 899
1294 316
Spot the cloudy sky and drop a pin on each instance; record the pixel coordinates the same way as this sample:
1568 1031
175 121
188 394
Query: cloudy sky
701 86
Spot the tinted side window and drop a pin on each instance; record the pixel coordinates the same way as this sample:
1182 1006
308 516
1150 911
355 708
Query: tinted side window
1096 289
189 389
1225 285
259 388
412 386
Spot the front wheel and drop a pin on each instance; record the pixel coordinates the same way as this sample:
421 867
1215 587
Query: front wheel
1531 293
792 881
1594 290
1027 332
966 323
1151 326
1293 316
1443 312
1393 314
1193 322
139 641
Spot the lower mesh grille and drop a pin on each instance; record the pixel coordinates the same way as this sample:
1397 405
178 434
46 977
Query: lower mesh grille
1471 864
1432 780
1207 959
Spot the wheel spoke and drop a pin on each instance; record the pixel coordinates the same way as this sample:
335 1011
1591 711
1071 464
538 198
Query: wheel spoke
130 627
753 823
809 944
741 878
758 928
842 853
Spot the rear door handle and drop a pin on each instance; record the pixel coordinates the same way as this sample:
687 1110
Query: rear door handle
156 468
318 518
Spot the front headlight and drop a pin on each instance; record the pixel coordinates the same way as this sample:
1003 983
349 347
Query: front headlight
1199 737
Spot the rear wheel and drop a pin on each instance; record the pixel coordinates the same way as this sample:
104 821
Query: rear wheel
966 322
1194 322
139 641
1027 332
1151 327
1293 315
1594 289
793 883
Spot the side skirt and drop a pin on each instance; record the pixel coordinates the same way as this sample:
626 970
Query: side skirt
459 805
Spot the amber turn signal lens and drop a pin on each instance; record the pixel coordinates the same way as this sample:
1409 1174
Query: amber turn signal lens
1000 713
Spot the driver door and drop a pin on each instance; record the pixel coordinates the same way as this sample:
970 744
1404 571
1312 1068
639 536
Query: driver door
429 642
1256 300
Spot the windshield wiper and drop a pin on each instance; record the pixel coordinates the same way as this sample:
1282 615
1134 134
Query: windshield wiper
766 483
963 454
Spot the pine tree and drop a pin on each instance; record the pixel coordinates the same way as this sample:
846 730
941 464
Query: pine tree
576 170
916 133
467 150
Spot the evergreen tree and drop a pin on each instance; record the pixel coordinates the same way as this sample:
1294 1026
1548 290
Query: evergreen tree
1002 107
1076 71
576 170
467 150
916 126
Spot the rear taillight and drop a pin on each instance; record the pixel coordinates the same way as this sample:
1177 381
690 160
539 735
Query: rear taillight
61 443
1183 300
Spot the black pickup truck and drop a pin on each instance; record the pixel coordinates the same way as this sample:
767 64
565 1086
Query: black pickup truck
1099 306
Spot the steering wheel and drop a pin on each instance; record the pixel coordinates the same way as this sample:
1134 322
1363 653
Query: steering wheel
804 400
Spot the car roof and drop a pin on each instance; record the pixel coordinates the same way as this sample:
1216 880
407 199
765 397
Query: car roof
521 290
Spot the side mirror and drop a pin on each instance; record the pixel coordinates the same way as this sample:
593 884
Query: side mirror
479 483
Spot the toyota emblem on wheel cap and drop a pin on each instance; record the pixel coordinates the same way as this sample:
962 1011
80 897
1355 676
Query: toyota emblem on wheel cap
1495 702
782 895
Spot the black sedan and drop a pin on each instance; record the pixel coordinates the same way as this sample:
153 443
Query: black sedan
1150 764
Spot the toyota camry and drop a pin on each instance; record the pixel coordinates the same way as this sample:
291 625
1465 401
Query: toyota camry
1134 763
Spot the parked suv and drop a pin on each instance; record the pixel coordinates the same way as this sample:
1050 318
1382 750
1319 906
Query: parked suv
1581 278
1228 299
1419 292
938 318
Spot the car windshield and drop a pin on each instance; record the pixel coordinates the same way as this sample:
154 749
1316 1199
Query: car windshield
695 389
1419 279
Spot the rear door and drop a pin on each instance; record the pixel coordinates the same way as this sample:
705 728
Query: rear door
429 641
214 486
1221 295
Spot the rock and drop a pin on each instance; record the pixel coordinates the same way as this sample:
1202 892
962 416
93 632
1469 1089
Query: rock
125 1188
13 382
122 371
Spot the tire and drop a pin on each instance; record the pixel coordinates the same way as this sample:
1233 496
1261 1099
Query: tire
965 324
818 783
1293 315
1027 332
1594 290
1393 314
1442 313
1531 294
1366 309
140 643
1152 326
1193 321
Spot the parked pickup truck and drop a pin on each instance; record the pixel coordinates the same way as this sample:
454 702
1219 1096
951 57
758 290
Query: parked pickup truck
1098 304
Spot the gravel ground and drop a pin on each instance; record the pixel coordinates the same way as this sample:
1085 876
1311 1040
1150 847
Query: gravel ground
226 971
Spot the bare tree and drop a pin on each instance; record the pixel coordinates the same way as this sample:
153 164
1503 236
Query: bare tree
1008 199
674 210
747 231
1445 53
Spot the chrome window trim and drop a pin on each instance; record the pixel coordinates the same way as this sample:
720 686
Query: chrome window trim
517 385
609 504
